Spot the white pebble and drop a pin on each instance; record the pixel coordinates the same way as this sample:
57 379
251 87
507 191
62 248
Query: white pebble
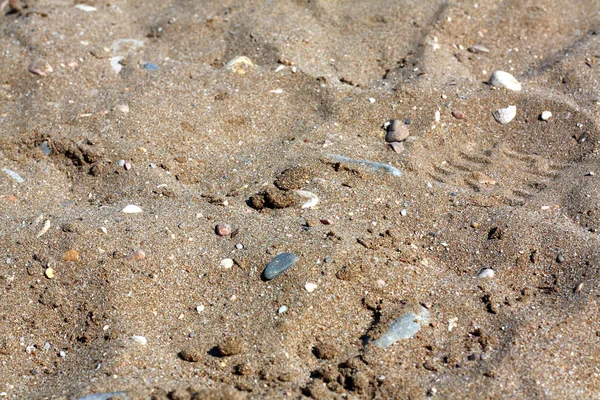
310 287
62 354
505 115
437 116
282 309
139 339
85 7
372 100
226 263
13 175
200 308
45 228
486 273
546 115
239 246
501 79
131 209
403 212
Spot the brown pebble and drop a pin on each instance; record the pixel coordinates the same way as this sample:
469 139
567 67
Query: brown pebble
223 229
495 233
459 115
231 346
325 351
138 255
397 147
71 255
327 221
191 354
49 273
396 131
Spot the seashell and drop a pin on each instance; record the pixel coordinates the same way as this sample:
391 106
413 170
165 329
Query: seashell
501 79
477 48
486 273
505 115
226 263
44 228
313 200
310 287
139 339
131 209
40 67
239 65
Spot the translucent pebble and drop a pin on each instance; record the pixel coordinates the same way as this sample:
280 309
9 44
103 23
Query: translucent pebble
404 327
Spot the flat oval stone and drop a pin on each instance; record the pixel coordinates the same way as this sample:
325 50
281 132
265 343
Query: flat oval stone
278 265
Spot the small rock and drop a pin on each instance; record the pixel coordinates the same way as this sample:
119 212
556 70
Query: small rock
45 148
501 79
85 7
71 255
282 309
403 212
191 354
278 265
505 115
231 346
310 287
62 354
397 147
131 209
13 175
139 339
223 229
127 165
560 259
239 246
495 233
40 67
459 115
327 221
200 308
546 115
150 67
396 131
226 263
486 273
49 273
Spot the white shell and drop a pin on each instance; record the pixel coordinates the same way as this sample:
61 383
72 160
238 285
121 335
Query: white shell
501 79
238 64
313 199
44 228
505 115
486 273
310 287
546 115
226 263
139 339
131 209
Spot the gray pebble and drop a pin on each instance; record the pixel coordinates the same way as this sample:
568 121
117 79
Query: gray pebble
45 148
560 258
278 265
239 246
396 131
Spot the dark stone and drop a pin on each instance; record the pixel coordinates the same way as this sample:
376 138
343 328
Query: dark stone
278 265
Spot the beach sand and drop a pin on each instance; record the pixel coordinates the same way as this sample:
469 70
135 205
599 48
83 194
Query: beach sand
96 300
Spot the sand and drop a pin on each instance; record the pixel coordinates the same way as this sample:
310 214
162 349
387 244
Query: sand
142 303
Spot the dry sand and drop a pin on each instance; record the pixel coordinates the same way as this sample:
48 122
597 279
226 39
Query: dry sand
202 141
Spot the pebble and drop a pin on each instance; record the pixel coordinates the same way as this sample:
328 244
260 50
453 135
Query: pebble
403 212
106 396
327 221
282 309
310 287
85 8
459 115
151 67
127 165
505 115
139 339
486 273
44 229
191 354
200 308
560 258
49 273
45 148
13 175
71 255
231 346
546 115
278 265
501 79
40 67
226 263
62 353
404 327
396 131
369 164
239 246
131 209
223 229
397 147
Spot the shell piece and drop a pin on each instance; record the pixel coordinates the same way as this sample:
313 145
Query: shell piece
501 79
131 209
505 115
13 175
313 200
239 65
139 339
486 273
44 228
40 67
370 164
226 263
404 327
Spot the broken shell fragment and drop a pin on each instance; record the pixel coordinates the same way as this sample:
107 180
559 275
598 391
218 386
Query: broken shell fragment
40 67
486 273
44 228
131 209
239 65
505 115
546 115
501 79
313 200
